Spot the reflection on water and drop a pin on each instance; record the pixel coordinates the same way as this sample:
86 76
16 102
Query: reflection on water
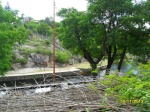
125 68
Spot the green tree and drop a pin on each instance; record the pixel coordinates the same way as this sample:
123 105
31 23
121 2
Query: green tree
124 27
49 21
143 11
9 34
81 36
7 7
44 29
32 26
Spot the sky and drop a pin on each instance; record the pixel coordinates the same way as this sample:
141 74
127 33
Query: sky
39 9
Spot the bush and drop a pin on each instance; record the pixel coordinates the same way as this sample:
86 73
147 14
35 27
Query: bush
26 51
32 26
130 88
42 50
21 61
62 57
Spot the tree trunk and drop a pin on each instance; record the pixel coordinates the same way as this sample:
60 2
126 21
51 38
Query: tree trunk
121 59
94 67
110 62
111 58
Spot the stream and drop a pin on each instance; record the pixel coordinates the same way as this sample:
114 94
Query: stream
64 83
37 87
124 69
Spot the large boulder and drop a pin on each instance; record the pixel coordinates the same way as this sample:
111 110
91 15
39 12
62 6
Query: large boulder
39 59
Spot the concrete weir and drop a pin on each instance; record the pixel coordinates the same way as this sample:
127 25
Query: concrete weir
38 75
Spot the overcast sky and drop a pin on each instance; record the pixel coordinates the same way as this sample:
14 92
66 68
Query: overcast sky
39 9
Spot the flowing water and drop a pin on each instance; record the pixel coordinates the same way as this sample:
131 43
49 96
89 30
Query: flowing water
66 83
124 69
69 82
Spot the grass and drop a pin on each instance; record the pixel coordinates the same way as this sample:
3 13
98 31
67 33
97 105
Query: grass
82 65
87 65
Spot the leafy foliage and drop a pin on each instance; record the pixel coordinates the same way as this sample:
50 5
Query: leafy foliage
124 27
79 35
10 33
32 26
130 88
44 29
62 57
109 28
22 60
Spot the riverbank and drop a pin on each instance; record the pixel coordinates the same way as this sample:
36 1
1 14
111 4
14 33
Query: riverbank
61 98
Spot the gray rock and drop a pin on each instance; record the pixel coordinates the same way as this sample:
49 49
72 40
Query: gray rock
32 55
18 56
70 61
39 59
29 64
16 66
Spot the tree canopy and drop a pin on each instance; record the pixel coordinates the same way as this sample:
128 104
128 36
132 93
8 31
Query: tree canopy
10 32
107 29
80 35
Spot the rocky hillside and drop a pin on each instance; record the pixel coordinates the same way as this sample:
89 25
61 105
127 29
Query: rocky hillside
37 52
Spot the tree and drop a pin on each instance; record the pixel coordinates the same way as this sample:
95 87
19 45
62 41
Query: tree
32 26
110 28
124 27
49 21
7 7
44 29
9 34
81 36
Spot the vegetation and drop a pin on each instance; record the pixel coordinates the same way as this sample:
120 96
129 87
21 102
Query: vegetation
62 57
78 34
44 29
106 30
37 45
10 33
32 26
21 61
130 88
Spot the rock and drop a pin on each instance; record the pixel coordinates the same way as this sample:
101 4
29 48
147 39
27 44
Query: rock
32 55
30 59
16 44
29 64
39 59
18 56
70 61
16 66
60 64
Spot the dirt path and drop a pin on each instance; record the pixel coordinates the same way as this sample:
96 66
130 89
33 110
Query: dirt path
38 70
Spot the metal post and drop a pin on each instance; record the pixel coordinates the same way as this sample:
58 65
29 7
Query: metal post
54 42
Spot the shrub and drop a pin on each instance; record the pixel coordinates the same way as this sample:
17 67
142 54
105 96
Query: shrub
21 61
26 51
42 50
130 88
62 57
47 42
